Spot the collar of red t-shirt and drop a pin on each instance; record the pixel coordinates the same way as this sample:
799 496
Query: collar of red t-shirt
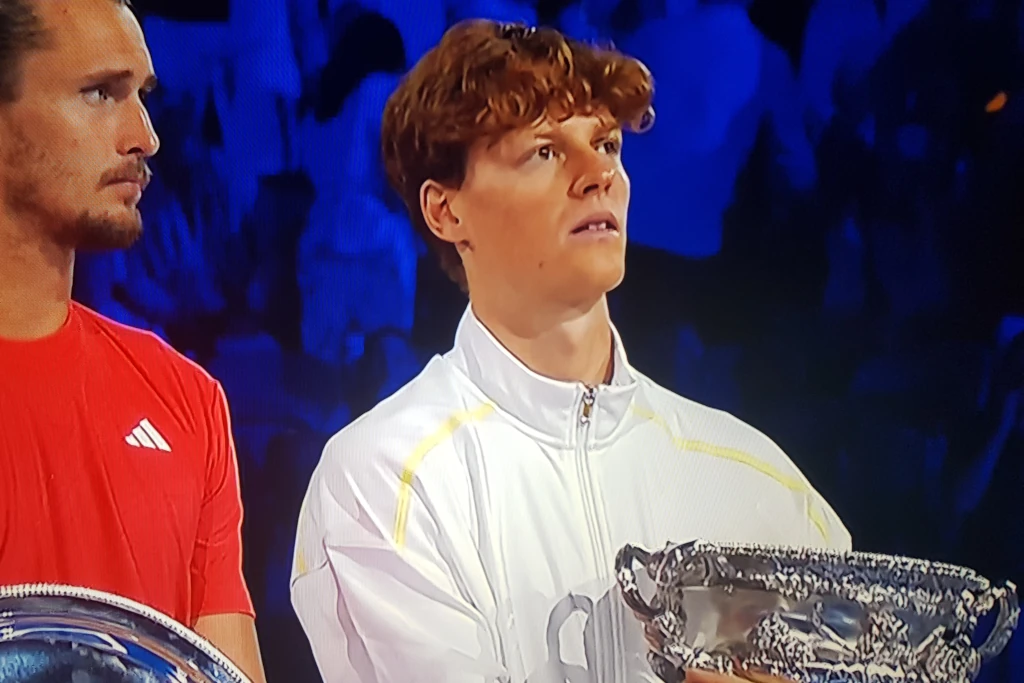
56 353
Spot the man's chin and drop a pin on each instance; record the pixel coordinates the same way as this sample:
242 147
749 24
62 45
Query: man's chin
591 285
104 233
110 243
605 276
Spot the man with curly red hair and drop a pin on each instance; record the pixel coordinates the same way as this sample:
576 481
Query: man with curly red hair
466 528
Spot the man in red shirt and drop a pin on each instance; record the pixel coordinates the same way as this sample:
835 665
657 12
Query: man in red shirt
117 466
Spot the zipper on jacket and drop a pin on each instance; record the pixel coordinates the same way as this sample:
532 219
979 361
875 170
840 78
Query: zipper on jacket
586 417
589 396
611 632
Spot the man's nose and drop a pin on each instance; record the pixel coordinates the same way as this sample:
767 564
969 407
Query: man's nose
595 176
140 137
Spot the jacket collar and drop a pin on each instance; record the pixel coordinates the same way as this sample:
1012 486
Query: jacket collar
551 407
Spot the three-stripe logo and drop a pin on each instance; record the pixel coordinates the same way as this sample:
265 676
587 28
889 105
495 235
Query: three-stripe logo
145 435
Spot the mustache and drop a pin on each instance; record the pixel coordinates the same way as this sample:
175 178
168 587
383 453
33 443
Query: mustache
135 172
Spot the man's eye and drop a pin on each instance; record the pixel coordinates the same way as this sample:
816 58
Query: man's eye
97 95
612 146
546 152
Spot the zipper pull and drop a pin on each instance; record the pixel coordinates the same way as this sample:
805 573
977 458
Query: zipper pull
588 404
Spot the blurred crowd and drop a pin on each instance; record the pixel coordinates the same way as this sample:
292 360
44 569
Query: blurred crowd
824 241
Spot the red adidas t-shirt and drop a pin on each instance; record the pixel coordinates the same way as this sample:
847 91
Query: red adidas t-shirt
118 470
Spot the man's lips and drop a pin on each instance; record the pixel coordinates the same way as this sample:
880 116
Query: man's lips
599 222
141 182
136 174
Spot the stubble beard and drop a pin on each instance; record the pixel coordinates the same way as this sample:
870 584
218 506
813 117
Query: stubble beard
93 232
28 172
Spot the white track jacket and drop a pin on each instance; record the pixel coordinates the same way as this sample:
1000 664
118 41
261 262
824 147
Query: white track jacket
465 529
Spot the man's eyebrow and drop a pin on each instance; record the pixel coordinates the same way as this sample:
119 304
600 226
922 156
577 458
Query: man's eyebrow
554 133
122 75
607 128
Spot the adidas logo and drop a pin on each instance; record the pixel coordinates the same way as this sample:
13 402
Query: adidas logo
145 436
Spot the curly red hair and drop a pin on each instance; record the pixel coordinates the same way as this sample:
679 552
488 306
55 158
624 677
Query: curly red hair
485 79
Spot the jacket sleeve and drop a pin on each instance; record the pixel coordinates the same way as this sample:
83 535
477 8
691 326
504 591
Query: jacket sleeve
380 578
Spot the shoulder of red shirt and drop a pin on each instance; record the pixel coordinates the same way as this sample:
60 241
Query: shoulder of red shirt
144 345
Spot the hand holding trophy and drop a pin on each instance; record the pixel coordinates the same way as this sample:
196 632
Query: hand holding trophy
726 612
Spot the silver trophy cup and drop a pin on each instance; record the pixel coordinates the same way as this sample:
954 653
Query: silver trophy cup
813 616
64 634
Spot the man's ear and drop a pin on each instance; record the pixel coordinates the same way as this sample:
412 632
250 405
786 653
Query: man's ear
436 205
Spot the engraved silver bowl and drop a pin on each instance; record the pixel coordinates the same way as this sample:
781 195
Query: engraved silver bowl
813 616
66 634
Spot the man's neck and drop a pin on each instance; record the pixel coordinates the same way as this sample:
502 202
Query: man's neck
35 285
570 346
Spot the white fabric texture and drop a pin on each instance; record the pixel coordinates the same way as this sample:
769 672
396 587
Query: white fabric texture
466 528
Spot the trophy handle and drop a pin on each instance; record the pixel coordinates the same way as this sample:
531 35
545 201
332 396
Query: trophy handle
626 563
1009 614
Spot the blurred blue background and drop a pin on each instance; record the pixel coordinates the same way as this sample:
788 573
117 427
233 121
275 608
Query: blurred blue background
825 240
